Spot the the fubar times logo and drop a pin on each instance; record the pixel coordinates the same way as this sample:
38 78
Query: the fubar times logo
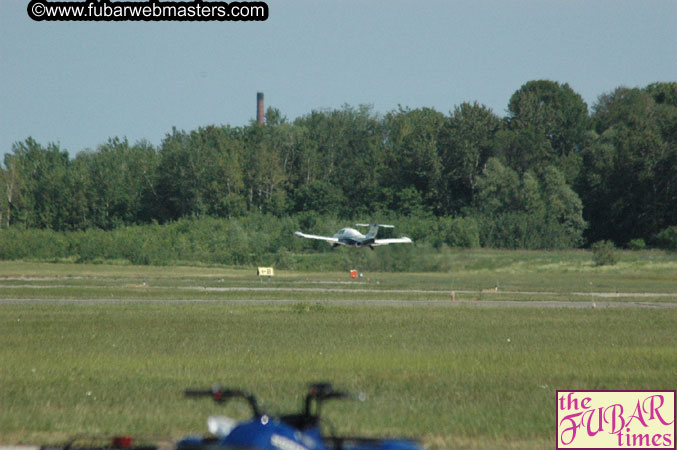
616 420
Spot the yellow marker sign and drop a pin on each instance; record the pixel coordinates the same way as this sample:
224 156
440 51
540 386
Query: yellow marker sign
265 272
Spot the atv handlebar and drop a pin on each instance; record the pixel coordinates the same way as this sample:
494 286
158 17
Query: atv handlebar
198 392
220 395
317 394
321 392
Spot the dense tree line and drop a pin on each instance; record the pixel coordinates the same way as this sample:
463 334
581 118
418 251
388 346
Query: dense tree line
550 174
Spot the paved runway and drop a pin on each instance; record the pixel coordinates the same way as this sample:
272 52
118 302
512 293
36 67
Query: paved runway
372 303
592 300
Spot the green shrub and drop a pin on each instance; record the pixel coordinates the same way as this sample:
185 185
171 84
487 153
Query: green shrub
264 239
459 232
35 244
637 244
604 253
667 239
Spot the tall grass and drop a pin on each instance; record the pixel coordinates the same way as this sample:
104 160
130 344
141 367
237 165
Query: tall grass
560 272
440 374
250 241
254 239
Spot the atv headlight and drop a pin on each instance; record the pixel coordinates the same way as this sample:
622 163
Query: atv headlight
220 426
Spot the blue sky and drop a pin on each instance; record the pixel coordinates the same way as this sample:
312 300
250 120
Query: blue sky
79 83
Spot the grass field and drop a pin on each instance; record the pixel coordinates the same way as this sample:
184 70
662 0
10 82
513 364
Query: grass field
108 349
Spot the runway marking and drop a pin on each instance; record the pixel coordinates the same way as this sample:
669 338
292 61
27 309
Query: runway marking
423 291
373 303
357 290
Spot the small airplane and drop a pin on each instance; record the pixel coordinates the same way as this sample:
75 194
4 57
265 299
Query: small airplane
350 237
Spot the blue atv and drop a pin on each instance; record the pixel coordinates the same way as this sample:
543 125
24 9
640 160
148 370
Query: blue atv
301 431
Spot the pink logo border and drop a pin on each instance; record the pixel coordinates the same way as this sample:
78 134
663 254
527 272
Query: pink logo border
674 424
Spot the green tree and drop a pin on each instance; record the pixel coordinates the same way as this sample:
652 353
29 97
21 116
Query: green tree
466 142
319 197
263 169
12 188
343 148
498 189
44 173
200 173
545 109
525 149
563 209
118 183
628 185
532 210
412 162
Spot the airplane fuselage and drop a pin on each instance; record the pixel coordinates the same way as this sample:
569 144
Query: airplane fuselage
350 237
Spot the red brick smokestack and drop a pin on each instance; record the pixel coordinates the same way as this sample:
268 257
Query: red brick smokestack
259 108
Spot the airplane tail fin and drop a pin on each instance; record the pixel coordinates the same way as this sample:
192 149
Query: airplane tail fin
373 229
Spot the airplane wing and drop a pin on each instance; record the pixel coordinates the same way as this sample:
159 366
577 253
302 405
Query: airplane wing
313 236
402 240
371 225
